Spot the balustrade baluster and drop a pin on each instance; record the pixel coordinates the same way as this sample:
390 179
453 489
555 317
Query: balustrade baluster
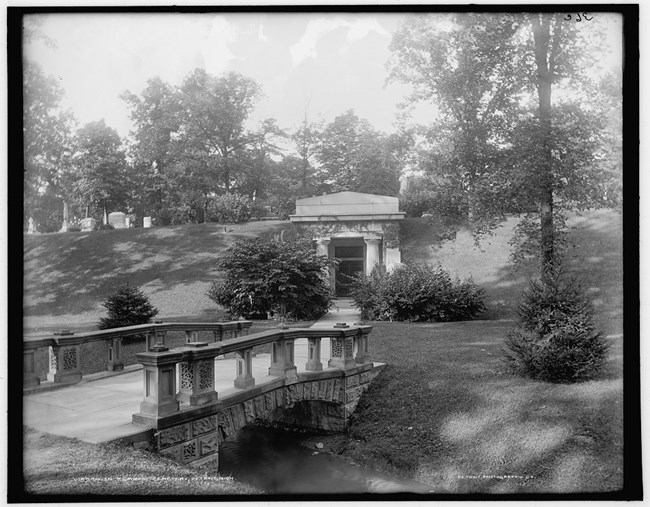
244 367
282 360
313 355
115 361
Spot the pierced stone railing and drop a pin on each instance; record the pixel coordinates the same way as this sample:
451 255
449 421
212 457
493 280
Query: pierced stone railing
185 375
65 346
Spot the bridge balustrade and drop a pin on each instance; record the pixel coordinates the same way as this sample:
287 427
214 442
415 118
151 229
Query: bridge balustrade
65 346
192 383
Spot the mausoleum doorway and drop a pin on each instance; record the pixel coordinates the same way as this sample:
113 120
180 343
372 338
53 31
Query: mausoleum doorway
351 256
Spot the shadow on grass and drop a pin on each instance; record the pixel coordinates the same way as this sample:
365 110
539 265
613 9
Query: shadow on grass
74 272
447 412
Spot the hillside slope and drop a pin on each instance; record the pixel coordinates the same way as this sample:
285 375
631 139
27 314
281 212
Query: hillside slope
594 256
67 276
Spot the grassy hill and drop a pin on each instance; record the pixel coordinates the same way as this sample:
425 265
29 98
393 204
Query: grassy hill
67 276
594 256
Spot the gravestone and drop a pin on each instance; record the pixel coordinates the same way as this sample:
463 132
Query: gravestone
117 219
87 224
146 222
127 222
31 229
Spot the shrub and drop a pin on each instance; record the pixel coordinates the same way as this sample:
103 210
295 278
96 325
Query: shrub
272 279
416 293
129 306
555 340
230 209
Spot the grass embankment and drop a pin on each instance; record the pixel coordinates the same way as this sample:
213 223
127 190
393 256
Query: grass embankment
67 276
446 412
56 465
594 254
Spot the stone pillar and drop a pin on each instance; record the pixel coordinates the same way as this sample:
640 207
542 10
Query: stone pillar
191 336
115 361
244 377
65 364
155 337
313 355
282 360
361 346
342 352
196 382
30 378
322 246
159 385
372 253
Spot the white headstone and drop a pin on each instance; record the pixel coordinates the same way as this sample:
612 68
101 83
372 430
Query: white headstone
146 222
117 219
87 224
127 222
31 228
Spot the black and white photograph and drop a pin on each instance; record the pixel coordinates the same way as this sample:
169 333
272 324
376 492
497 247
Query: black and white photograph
335 253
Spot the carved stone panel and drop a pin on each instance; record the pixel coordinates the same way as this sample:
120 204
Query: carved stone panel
352 381
314 390
329 384
70 358
173 435
349 347
225 423
269 401
204 425
206 375
259 405
337 347
208 444
174 453
187 377
336 390
237 415
249 411
279 397
322 389
190 451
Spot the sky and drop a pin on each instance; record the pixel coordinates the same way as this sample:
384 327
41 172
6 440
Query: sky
315 64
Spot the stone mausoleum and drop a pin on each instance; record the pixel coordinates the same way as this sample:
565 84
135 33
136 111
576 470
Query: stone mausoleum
360 230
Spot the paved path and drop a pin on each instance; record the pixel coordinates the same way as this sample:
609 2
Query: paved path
100 410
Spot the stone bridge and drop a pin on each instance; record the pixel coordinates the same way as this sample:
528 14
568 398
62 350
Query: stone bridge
186 408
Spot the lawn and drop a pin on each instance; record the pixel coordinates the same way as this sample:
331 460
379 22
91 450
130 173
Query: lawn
57 466
446 412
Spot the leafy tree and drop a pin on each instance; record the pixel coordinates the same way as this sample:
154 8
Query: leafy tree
305 139
286 280
128 306
499 146
47 148
100 168
260 166
214 111
355 157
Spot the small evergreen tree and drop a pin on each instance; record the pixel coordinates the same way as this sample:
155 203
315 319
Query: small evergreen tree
129 306
556 339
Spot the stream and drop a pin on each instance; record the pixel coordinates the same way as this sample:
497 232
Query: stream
275 462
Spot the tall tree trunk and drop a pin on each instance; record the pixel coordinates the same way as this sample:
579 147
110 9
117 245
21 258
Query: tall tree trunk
544 61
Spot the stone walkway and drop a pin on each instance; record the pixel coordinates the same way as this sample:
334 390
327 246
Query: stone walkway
100 410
